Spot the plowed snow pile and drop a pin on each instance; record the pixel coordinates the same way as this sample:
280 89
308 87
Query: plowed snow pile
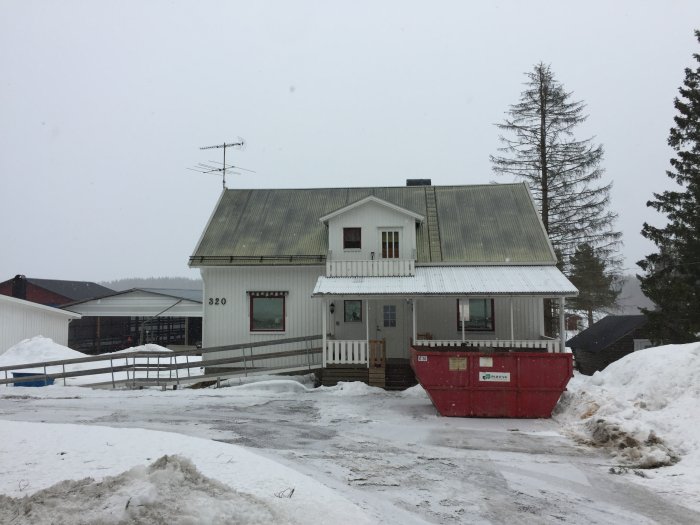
645 408
171 490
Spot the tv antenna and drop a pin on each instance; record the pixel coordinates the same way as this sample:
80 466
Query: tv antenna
211 167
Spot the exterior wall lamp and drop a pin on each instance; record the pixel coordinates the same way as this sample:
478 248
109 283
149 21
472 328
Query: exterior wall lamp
332 307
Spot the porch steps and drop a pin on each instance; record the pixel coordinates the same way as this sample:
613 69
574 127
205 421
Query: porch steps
399 376
377 376
395 376
332 375
432 223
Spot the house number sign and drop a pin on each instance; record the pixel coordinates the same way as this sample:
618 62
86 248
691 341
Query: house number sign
217 301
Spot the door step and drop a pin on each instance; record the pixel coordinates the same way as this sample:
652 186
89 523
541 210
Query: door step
377 377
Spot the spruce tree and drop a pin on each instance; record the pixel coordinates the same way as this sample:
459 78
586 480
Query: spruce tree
672 274
561 171
597 289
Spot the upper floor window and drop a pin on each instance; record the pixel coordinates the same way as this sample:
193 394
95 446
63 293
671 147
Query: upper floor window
390 245
352 238
477 314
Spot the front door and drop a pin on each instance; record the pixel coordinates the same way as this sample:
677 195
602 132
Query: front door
391 325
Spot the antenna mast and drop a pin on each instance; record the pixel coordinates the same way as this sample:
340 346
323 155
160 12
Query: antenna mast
238 144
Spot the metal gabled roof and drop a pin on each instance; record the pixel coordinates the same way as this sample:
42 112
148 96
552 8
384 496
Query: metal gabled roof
545 281
606 332
73 290
142 302
478 224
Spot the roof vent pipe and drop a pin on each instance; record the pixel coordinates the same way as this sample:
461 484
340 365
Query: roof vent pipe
418 182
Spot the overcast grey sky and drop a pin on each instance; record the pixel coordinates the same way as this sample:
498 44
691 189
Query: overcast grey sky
104 106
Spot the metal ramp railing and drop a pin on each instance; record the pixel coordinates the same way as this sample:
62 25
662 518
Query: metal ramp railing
163 369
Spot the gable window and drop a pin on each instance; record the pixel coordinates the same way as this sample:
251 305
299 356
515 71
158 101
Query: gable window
390 245
389 315
352 238
477 314
267 311
353 311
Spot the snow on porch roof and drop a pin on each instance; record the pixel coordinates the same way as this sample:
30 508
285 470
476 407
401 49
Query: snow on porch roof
456 281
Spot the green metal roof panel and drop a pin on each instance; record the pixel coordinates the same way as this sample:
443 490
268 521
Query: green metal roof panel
476 224
495 223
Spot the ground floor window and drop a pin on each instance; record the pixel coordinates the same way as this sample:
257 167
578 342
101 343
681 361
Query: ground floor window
267 311
353 311
477 314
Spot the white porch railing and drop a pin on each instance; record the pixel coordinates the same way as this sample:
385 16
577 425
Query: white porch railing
376 268
345 353
550 345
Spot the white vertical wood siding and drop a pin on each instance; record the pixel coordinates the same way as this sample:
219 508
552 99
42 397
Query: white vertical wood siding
372 218
230 324
20 321
439 317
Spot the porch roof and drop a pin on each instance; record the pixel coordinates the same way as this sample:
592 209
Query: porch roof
454 281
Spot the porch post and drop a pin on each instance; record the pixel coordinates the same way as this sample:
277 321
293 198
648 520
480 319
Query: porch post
562 331
511 318
414 305
367 321
367 330
324 313
461 314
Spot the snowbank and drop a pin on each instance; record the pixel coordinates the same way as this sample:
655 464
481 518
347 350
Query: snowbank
644 408
352 388
169 490
64 473
37 349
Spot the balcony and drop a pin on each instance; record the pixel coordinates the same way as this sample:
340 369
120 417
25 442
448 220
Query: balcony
373 268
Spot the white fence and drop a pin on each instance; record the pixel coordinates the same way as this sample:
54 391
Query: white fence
378 268
345 353
550 345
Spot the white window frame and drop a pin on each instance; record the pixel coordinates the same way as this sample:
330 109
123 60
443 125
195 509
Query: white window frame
399 233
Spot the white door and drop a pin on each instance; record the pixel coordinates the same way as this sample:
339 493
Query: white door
391 325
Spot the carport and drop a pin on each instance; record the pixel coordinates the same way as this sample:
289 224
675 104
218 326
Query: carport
168 317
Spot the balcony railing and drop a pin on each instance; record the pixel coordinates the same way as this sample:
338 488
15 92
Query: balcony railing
374 268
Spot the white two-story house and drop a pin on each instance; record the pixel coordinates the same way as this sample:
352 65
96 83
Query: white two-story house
375 270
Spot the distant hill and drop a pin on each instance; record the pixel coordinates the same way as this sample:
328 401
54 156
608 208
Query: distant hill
631 297
177 283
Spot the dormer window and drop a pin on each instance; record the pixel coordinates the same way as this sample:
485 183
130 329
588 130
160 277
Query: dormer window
390 244
352 238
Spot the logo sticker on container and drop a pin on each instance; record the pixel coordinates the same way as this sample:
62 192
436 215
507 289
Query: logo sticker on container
457 364
501 377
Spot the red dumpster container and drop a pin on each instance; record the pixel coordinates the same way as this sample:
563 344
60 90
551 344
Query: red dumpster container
500 384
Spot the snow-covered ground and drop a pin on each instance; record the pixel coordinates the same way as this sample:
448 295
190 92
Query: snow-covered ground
280 451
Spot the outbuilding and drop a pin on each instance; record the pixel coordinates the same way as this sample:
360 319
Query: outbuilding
608 340
20 319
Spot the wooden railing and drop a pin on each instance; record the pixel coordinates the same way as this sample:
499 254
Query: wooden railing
550 345
375 268
345 352
377 353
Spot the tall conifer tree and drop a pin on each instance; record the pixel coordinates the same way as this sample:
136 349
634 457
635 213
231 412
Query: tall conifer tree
562 171
596 286
672 274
